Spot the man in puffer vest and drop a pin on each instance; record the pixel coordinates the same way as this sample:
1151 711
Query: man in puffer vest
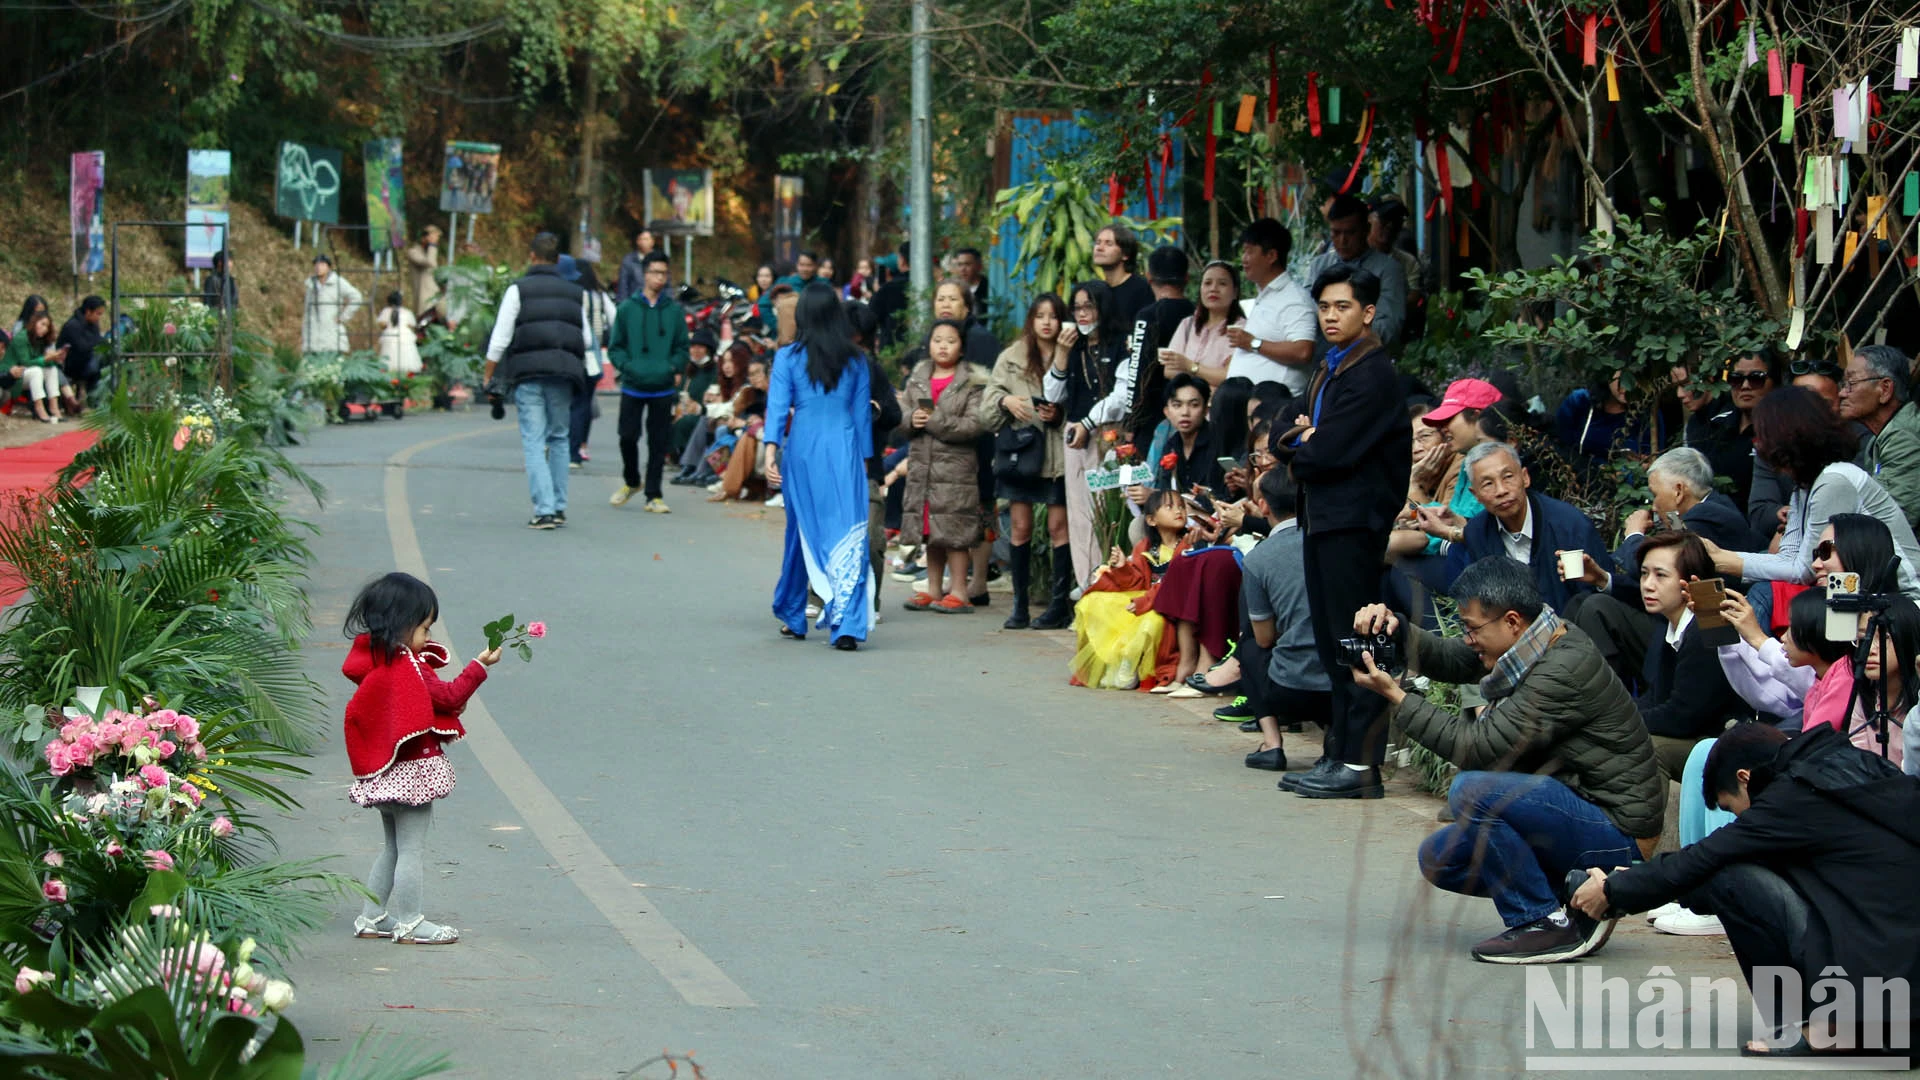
538 351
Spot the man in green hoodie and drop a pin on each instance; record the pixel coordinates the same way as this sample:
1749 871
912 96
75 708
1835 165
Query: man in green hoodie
648 347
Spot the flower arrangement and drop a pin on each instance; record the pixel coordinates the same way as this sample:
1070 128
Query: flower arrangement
1110 513
503 634
143 744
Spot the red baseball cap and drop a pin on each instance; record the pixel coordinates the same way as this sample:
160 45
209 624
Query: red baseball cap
1463 394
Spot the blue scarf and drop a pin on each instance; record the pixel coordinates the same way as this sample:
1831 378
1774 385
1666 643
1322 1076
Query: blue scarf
1335 356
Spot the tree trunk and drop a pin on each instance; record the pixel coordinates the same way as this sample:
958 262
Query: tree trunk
866 208
585 190
1644 145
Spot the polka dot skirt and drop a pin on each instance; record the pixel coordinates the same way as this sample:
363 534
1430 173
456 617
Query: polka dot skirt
414 783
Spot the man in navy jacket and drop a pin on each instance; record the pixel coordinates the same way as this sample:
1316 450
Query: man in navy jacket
1523 525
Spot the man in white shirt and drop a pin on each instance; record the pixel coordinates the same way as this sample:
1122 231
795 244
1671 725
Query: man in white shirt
1282 327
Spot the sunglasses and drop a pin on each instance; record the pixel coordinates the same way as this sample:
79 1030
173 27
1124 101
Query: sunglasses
1749 378
1824 550
1817 367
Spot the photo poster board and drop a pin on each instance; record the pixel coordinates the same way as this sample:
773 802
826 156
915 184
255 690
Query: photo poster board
386 195
306 183
209 196
788 222
467 181
680 201
87 172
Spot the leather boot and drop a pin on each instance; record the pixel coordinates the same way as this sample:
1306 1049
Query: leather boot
1021 565
1059 613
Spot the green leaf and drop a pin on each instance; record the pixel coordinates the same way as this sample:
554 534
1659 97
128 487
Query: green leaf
525 651
163 887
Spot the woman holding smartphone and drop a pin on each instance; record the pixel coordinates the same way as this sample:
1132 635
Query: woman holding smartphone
1014 400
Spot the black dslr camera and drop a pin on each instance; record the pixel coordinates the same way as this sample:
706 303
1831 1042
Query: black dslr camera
1385 650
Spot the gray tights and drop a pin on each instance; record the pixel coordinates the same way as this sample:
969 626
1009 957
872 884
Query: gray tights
399 871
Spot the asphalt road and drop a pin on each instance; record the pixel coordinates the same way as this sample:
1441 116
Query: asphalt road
930 858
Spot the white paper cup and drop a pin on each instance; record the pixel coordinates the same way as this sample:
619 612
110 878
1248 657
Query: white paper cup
1571 565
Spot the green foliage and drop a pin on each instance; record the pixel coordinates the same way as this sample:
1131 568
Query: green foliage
1632 305
1058 219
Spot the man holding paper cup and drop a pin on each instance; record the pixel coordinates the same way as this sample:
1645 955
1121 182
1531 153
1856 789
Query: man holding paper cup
1539 531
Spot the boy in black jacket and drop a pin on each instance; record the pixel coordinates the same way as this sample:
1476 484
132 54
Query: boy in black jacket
1818 870
1352 459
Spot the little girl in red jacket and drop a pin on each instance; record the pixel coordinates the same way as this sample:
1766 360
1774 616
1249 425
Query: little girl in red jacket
397 722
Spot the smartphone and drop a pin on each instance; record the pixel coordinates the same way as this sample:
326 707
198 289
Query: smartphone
1707 596
1040 403
1843 624
925 403
1227 464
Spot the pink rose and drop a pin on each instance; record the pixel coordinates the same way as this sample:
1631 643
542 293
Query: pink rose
166 748
192 793
107 734
536 629
198 751
154 776
58 759
55 890
71 730
186 727
114 850
27 978
82 749
54 859
169 329
222 826
158 859
161 719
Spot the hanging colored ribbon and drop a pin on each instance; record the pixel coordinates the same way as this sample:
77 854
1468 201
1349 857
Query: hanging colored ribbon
1166 162
1613 80
1313 103
1775 84
1590 41
1116 196
1365 140
1442 160
1802 225
1206 176
1653 26
1459 38
1273 84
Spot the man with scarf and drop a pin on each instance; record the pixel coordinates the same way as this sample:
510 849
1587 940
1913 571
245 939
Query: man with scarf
1557 771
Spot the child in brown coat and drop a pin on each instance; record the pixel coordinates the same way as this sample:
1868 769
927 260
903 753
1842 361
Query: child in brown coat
943 495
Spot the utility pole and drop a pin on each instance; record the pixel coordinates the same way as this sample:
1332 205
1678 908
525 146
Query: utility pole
920 185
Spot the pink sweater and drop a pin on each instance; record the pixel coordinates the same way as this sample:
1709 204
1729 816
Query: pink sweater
1827 702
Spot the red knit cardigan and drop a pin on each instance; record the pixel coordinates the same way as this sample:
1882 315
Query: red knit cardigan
402 711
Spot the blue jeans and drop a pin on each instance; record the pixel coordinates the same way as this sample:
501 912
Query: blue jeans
1515 837
544 406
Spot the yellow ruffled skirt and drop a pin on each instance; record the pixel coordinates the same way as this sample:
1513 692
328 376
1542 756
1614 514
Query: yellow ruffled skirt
1115 646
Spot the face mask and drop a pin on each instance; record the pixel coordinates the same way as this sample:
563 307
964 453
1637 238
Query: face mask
1085 328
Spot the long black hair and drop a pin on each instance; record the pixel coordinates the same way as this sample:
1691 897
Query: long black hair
1227 419
1902 620
1807 622
1113 336
33 303
1036 363
389 609
1865 546
820 327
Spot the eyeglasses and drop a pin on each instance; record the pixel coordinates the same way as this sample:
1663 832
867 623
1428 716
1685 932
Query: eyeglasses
1816 367
1473 631
1748 378
1824 550
1849 384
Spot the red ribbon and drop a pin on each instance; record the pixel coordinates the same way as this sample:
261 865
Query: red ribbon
1802 224
1460 37
1206 177
1653 26
1166 162
1313 103
1366 140
1590 40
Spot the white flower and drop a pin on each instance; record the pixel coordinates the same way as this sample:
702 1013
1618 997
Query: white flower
278 995
244 953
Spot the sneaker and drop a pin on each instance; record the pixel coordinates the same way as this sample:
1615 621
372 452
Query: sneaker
777 502
658 506
716 487
543 521
951 605
560 518
1239 712
1670 908
1689 924
1564 935
910 572
573 465
621 495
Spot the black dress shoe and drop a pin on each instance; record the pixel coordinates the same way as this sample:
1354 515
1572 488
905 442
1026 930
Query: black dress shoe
1198 680
1292 779
1251 727
1341 782
983 600
1272 760
845 643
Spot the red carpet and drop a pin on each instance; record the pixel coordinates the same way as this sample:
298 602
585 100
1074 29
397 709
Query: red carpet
25 470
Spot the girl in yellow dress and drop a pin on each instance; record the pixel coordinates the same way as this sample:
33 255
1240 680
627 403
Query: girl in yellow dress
1123 643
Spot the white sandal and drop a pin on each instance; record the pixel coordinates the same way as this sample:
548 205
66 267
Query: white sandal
364 927
403 934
